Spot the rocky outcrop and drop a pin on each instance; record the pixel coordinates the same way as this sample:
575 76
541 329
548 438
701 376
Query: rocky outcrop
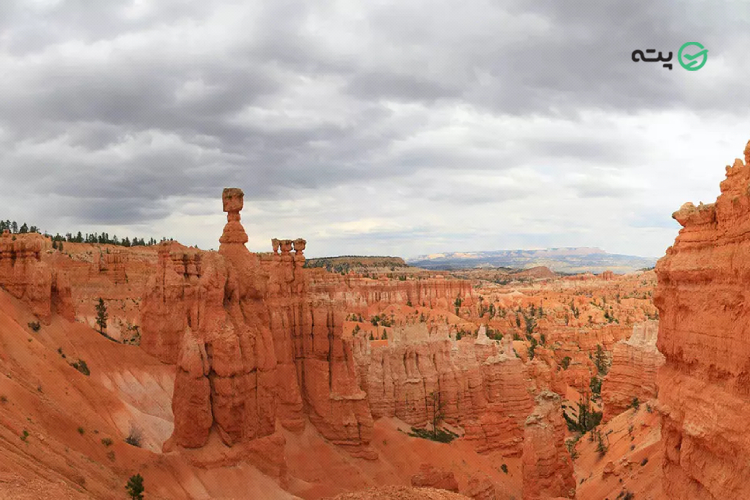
546 463
251 345
481 488
432 477
479 384
357 294
24 275
704 385
635 363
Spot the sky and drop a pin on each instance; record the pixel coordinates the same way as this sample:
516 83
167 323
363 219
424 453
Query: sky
404 127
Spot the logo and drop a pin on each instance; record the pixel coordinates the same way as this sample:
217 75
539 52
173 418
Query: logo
690 59
695 61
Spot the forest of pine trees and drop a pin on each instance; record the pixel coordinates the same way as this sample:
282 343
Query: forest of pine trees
102 238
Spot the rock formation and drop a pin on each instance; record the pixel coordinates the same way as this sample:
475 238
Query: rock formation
250 344
704 385
546 463
480 385
633 372
432 477
25 276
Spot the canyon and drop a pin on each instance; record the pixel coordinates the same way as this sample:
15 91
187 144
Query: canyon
239 374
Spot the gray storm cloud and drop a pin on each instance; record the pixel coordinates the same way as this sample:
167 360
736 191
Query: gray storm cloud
414 112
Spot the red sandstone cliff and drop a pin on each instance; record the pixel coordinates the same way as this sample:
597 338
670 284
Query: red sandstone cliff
704 384
25 276
547 466
480 383
633 372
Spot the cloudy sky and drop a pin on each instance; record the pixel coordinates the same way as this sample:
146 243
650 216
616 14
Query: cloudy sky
401 127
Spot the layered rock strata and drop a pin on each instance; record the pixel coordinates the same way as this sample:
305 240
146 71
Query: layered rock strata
546 464
704 310
635 363
251 346
479 384
24 275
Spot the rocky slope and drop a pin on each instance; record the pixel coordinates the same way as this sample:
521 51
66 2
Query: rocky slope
703 386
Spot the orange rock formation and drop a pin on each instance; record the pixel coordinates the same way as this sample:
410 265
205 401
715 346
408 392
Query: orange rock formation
547 466
479 383
252 347
704 384
633 373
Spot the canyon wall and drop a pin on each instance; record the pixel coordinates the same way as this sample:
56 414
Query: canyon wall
358 294
479 383
704 308
24 275
635 363
546 464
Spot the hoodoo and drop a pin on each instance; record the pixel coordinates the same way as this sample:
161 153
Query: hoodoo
253 347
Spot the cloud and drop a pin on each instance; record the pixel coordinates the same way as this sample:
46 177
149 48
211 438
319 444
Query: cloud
497 124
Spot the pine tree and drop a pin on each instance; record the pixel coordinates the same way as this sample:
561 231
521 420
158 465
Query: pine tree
135 487
101 315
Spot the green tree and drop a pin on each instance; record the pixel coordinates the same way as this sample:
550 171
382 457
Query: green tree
565 362
101 315
135 488
438 411
600 360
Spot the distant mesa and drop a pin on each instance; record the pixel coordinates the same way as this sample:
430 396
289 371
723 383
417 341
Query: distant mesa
561 260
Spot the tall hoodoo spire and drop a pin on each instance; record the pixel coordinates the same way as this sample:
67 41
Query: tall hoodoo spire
233 199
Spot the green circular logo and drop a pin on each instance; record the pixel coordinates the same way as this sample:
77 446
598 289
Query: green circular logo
695 61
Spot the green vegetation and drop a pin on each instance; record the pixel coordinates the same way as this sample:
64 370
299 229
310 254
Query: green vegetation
82 367
81 431
58 239
439 435
635 404
134 438
601 448
107 442
101 315
24 435
587 418
135 488
34 325
565 362
600 360
596 386
504 468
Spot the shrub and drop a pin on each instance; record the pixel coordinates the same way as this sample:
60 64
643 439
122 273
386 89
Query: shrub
81 430
82 367
111 455
504 468
107 442
439 435
565 362
635 404
134 438
3 399
34 325
134 487
25 435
